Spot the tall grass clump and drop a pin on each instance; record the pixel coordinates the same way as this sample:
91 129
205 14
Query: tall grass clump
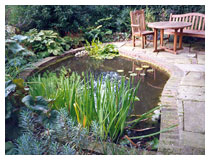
108 103
60 91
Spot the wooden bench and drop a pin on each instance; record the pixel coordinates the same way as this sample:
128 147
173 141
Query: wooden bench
198 24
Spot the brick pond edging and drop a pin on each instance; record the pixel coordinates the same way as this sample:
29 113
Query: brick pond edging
182 99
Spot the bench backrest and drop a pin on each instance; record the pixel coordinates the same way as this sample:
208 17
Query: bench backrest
197 20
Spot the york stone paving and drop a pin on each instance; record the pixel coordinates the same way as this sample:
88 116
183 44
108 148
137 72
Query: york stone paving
183 97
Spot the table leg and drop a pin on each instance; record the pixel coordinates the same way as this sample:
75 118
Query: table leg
180 38
142 41
161 37
155 40
175 40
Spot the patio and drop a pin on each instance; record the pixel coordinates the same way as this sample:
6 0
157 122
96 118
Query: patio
183 97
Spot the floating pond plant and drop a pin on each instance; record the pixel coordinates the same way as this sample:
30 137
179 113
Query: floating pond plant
145 66
130 71
133 74
142 74
120 70
139 69
150 70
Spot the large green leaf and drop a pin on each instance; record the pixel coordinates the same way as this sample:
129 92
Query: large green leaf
38 104
9 89
19 38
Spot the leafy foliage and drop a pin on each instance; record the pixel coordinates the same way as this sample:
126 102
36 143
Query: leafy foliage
66 19
46 42
17 58
100 30
42 137
61 136
97 50
14 92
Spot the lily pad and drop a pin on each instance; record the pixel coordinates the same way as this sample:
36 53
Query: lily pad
150 70
139 69
142 74
133 74
120 70
145 66
130 71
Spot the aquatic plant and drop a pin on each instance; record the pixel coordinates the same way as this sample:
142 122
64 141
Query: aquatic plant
109 105
99 50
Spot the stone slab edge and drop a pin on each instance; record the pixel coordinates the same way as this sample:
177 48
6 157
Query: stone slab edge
171 113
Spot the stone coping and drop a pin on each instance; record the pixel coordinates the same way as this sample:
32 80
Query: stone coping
177 140
182 100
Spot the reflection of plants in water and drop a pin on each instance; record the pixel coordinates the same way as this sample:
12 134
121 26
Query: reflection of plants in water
96 64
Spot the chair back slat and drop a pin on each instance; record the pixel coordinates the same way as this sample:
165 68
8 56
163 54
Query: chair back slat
137 18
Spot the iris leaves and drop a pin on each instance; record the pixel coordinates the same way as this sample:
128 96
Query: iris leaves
108 103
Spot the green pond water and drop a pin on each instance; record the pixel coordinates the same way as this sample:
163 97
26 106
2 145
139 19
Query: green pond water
151 84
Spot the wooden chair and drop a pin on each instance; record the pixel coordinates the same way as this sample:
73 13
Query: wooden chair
138 26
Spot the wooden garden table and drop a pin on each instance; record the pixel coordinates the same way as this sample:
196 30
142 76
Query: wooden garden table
168 25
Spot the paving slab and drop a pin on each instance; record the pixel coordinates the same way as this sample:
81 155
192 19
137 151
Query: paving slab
195 140
191 67
191 93
194 116
194 79
201 59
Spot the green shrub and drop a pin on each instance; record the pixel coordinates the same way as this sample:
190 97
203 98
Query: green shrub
77 18
46 42
100 30
17 58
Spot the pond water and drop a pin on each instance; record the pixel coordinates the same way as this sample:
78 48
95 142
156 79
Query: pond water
151 85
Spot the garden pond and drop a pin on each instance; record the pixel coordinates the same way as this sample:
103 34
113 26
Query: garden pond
152 79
